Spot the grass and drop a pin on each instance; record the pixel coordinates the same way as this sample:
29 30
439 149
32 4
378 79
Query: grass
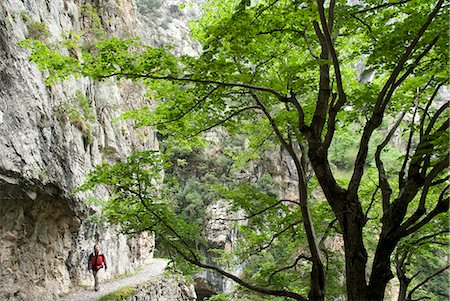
120 294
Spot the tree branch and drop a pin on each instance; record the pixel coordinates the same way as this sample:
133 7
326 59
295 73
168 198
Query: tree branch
401 174
381 6
441 206
366 214
420 211
196 262
279 96
332 51
289 266
381 103
406 55
263 10
427 107
327 230
410 70
225 120
317 273
272 239
256 213
426 280
144 203
386 189
435 118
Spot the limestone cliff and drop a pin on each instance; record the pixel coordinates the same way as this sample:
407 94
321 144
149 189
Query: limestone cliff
50 137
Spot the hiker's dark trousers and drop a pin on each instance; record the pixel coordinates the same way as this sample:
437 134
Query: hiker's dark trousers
95 273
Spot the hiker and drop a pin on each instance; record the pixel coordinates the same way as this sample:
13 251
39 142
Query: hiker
96 261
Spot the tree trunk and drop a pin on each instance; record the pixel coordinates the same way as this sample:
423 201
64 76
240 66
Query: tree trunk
404 282
352 223
381 270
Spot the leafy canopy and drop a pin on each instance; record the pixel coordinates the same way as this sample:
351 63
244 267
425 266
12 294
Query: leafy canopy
318 79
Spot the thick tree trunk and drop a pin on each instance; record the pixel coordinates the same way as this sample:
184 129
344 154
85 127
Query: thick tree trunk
351 218
381 270
352 223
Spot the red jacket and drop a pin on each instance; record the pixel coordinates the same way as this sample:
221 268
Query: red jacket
97 261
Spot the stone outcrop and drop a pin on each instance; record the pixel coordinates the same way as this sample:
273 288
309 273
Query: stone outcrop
164 289
50 137
220 232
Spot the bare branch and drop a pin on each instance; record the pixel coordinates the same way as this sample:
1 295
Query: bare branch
426 239
382 101
317 273
369 28
188 110
311 51
331 124
319 34
159 218
441 181
301 115
331 16
411 68
383 97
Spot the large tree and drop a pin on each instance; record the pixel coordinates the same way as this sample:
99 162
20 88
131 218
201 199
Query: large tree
298 71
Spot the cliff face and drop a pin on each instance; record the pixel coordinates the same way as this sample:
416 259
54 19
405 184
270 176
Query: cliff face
50 137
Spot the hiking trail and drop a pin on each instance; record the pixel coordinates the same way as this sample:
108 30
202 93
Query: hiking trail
154 268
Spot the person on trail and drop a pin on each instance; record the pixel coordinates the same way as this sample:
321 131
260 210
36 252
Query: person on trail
96 261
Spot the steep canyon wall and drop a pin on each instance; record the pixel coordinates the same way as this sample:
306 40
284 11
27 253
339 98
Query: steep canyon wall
51 136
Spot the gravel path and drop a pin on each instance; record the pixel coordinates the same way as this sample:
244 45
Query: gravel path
155 268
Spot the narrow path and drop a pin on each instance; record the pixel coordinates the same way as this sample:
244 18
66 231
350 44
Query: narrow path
156 267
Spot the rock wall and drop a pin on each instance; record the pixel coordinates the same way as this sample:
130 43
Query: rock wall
220 232
164 289
50 137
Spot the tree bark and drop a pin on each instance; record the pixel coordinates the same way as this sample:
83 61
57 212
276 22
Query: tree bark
381 270
351 218
404 282
352 223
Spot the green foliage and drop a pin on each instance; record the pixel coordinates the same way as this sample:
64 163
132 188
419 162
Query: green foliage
260 79
218 297
95 30
138 203
120 294
81 115
36 30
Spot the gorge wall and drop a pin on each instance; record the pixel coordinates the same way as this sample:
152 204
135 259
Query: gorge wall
51 136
